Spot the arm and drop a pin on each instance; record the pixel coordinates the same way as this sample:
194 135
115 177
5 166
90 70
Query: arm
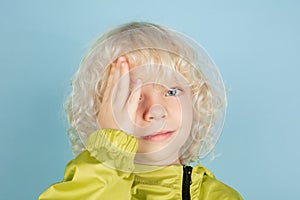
103 171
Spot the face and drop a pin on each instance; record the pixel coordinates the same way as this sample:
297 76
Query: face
164 115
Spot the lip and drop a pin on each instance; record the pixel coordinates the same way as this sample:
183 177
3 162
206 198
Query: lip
159 136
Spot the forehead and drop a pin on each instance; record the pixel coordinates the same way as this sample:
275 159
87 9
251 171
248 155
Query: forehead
158 74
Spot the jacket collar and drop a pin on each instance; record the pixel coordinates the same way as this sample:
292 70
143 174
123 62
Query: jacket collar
165 182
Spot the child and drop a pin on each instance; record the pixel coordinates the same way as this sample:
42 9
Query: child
147 104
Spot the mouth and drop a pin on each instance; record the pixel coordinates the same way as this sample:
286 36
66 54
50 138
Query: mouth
159 136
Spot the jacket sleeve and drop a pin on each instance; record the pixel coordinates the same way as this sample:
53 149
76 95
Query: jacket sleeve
102 171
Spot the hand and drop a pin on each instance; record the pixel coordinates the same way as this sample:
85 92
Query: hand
119 104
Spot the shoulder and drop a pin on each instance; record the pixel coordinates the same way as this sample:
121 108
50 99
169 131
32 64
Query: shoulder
213 189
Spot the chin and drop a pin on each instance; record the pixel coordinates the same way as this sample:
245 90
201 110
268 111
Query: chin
157 159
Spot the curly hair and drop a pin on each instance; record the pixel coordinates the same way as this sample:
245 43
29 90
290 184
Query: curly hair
146 43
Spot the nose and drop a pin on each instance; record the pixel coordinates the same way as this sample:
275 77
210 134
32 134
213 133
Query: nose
154 112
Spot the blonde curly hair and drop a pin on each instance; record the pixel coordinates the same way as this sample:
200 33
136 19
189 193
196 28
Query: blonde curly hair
146 43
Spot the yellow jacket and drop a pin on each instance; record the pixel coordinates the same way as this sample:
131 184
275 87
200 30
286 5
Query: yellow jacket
92 175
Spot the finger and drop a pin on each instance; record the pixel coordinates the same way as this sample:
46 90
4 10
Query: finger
110 82
123 88
123 65
134 100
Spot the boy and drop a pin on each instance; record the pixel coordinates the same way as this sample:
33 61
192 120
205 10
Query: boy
147 102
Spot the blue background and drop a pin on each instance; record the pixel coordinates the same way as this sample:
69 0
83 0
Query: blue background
256 45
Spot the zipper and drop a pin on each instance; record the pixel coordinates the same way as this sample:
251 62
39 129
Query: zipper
186 182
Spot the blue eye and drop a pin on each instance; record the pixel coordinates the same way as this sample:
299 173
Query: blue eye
173 92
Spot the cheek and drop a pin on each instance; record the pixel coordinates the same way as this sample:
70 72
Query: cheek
182 109
175 108
187 120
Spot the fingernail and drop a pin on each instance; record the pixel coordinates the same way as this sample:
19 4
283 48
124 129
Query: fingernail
123 64
121 59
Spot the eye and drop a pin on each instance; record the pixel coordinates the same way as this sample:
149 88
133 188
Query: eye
173 92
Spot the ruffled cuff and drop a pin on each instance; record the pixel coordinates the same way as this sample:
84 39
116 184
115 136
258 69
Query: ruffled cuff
113 148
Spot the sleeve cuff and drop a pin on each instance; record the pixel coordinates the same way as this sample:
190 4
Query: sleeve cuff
113 148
